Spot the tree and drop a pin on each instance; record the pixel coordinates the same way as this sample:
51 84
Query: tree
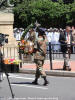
46 12
68 1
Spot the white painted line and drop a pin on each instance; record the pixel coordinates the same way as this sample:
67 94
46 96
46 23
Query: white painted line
9 75
22 77
12 74
30 86
17 76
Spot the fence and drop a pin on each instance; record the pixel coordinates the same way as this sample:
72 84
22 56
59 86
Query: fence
12 52
9 54
57 54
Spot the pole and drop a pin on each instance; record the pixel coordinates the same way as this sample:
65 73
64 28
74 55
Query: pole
9 85
50 55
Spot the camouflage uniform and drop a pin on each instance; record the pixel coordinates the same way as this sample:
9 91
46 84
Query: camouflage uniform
40 57
39 53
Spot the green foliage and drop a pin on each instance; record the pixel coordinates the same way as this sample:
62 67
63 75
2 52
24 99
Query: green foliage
26 30
46 12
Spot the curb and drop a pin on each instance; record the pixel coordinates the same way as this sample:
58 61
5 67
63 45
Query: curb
49 73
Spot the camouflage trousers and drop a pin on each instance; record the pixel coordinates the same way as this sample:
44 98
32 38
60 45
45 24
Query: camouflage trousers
39 70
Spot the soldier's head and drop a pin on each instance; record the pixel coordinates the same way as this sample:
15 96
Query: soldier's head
41 32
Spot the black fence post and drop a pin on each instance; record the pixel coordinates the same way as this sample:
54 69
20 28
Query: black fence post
20 57
50 55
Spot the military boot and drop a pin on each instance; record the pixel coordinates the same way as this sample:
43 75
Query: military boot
45 81
35 81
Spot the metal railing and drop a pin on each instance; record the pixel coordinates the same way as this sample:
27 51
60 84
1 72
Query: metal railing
13 52
10 52
58 54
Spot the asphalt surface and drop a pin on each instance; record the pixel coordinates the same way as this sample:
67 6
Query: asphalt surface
59 88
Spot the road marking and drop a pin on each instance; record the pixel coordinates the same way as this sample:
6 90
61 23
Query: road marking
38 87
22 77
18 76
4 75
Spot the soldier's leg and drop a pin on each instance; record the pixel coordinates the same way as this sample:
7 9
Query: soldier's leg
42 72
45 81
37 75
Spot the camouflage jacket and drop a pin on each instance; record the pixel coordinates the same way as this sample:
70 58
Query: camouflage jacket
41 48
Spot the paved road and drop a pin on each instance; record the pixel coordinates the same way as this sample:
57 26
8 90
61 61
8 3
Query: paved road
60 88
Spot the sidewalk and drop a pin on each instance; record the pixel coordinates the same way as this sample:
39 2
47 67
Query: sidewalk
56 69
57 65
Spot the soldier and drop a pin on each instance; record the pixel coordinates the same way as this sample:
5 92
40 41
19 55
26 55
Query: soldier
40 52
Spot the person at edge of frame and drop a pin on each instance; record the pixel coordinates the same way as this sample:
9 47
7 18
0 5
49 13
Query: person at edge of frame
66 40
73 34
39 57
1 64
